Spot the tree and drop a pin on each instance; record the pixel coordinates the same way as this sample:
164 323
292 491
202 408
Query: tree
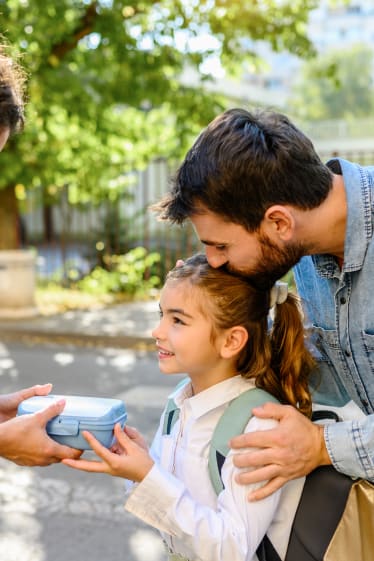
104 89
337 85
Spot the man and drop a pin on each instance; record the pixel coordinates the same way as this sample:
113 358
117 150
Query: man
23 439
262 202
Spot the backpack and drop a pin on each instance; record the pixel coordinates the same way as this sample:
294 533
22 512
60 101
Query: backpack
232 422
334 520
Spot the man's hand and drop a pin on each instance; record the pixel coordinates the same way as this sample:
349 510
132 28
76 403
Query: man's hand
24 440
293 449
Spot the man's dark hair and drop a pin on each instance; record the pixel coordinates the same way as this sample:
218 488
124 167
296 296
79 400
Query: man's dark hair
243 163
12 79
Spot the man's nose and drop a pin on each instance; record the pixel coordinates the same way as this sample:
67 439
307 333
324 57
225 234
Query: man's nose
215 259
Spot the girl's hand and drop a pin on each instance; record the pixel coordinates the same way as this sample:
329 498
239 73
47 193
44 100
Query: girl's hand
128 458
134 435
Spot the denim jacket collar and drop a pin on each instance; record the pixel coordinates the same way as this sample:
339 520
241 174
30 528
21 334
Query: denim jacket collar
358 221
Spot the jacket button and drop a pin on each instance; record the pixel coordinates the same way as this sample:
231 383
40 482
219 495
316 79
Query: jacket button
343 300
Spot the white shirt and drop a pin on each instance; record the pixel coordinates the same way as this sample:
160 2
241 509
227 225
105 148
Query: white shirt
177 496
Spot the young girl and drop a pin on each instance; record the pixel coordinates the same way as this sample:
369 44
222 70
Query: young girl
214 327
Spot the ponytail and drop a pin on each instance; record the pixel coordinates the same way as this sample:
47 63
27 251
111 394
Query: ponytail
291 362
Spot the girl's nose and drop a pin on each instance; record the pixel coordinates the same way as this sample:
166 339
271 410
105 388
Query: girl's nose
156 332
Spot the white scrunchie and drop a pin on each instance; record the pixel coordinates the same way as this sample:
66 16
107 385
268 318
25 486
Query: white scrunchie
278 293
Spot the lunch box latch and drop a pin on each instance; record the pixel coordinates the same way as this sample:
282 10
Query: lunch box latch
63 427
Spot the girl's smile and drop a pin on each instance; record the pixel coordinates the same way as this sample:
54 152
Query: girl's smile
163 353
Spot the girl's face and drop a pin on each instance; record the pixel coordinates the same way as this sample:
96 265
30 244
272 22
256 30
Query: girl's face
184 337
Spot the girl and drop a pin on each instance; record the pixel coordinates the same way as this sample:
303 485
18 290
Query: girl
214 327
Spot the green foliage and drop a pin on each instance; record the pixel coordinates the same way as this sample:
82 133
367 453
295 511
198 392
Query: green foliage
337 85
131 274
104 86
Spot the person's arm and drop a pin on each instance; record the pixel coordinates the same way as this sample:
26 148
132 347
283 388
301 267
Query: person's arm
9 402
23 439
232 530
297 446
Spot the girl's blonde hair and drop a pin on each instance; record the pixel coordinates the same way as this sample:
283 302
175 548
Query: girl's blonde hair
275 355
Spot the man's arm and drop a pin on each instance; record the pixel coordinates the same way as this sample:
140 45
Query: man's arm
291 450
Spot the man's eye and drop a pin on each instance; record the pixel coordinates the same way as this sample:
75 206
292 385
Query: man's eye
220 247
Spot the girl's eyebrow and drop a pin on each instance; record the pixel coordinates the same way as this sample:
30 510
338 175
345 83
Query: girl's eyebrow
178 311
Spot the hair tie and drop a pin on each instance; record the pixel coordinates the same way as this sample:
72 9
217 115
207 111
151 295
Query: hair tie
278 293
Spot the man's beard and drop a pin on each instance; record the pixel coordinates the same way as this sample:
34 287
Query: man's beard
274 263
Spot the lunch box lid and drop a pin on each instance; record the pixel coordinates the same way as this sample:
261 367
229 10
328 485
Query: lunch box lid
91 412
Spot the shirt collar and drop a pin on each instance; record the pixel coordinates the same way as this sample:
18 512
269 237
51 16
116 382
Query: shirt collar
212 397
358 222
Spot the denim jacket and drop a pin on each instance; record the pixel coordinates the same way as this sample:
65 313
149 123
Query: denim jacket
339 306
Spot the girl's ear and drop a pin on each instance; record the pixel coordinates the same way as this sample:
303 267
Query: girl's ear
235 339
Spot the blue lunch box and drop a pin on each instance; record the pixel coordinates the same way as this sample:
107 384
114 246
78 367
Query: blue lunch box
98 415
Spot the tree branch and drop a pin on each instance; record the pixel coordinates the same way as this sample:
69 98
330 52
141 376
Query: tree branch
85 27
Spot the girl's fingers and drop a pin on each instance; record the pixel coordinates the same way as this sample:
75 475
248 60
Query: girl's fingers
121 436
131 432
86 465
98 448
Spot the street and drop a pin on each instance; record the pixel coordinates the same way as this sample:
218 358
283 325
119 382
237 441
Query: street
59 514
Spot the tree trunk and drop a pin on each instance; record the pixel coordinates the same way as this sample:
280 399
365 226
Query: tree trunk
9 219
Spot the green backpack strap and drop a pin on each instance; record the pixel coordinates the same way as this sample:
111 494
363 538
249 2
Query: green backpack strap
172 410
232 422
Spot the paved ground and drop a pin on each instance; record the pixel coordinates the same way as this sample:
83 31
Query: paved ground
124 325
55 513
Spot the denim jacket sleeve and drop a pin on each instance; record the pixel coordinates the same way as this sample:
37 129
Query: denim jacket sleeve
350 445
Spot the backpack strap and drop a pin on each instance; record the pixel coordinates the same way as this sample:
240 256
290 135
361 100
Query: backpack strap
232 422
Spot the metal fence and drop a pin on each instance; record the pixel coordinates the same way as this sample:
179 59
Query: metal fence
79 237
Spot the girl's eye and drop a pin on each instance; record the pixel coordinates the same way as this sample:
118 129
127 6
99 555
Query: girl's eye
220 247
160 313
178 320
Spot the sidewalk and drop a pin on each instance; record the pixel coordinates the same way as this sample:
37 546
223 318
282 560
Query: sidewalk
126 325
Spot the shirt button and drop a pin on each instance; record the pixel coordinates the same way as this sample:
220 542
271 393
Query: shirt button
342 300
364 402
347 353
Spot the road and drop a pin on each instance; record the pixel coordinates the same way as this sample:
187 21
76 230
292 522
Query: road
59 514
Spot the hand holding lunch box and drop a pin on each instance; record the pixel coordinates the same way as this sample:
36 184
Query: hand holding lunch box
98 415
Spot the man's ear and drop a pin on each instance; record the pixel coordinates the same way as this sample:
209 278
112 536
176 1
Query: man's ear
279 222
235 339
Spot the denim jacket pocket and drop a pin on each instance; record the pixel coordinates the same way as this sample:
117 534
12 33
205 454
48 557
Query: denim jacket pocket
368 342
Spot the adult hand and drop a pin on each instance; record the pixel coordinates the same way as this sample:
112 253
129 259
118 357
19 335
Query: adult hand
24 440
10 402
293 449
128 458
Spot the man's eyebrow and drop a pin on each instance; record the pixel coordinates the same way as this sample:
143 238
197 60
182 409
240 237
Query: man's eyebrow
211 243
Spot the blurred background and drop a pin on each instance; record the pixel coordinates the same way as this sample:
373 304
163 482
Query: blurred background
118 90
